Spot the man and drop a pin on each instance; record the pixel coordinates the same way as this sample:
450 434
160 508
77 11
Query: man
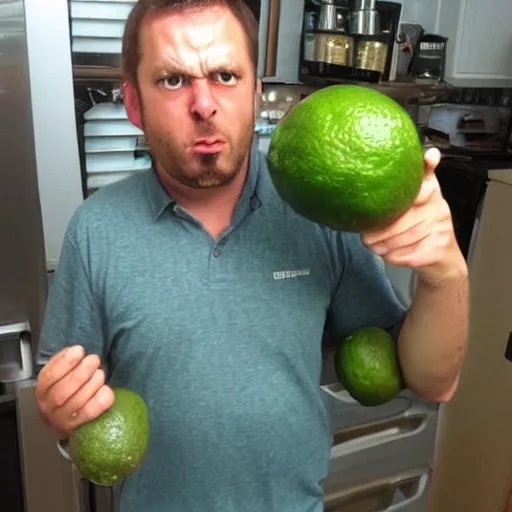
168 279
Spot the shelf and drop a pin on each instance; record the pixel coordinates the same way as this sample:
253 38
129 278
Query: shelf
96 67
413 92
97 73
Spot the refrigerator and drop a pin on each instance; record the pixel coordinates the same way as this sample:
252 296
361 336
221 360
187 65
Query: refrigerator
35 477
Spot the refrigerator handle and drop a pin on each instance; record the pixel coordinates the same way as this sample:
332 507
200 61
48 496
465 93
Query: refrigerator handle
15 352
418 496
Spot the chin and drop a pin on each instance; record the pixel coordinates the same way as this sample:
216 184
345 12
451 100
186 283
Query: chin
209 178
209 183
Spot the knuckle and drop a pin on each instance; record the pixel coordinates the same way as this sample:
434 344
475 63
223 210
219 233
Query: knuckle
446 241
91 410
444 210
58 397
83 372
98 378
93 360
99 403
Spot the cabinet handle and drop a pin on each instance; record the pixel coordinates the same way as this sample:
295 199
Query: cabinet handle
378 432
420 486
274 13
379 494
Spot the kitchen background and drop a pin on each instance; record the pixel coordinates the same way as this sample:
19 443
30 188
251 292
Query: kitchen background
64 134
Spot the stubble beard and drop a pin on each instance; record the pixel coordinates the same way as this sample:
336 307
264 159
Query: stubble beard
166 153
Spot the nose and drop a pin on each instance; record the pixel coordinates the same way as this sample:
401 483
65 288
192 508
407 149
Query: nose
203 104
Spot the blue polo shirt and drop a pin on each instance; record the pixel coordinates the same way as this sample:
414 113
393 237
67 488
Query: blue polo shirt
221 337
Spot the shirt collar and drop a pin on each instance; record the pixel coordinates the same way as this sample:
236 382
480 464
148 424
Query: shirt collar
159 199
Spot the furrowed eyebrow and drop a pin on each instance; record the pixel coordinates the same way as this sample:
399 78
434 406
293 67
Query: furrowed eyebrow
171 68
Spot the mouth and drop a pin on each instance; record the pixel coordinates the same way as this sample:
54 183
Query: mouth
208 145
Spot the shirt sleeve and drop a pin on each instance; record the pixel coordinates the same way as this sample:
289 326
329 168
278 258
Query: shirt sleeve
364 295
73 313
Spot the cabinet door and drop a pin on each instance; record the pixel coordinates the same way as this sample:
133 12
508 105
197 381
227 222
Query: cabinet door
279 38
480 42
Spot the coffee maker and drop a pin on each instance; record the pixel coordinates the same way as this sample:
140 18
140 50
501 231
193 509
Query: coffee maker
348 39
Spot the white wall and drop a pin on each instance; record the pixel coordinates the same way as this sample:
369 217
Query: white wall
425 12
53 112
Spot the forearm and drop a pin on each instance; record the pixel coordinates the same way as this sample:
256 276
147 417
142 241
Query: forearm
432 341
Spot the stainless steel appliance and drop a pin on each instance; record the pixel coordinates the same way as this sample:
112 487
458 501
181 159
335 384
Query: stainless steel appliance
364 19
35 478
466 128
349 41
327 17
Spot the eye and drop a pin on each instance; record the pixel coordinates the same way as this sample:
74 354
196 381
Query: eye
225 77
173 82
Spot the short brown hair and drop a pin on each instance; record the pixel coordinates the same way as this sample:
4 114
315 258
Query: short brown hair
131 39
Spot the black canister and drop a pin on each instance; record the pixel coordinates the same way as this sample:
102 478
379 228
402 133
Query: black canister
429 60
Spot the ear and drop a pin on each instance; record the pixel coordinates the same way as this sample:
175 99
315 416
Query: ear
132 104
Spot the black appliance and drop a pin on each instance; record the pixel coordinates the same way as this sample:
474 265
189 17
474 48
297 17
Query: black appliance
463 181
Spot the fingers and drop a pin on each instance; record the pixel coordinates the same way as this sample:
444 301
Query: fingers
432 158
414 227
71 390
69 384
403 255
428 251
89 402
411 219
58 366
427 194
406 238
96 405
429 187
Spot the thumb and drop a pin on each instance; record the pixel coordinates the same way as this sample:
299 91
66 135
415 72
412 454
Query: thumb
431 159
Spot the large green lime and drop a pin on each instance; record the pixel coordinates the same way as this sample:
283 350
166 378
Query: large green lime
367 366
348 157
111 447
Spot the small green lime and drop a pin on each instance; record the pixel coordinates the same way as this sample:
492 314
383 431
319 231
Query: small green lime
109 448
367 365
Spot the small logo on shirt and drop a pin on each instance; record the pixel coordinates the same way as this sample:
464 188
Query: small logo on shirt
290 274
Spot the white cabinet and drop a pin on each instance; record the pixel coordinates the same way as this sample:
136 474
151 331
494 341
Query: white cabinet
479 51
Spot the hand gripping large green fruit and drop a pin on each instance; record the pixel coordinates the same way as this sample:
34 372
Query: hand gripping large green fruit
348 157
111 447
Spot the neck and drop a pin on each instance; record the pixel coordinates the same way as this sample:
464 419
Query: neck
213 207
